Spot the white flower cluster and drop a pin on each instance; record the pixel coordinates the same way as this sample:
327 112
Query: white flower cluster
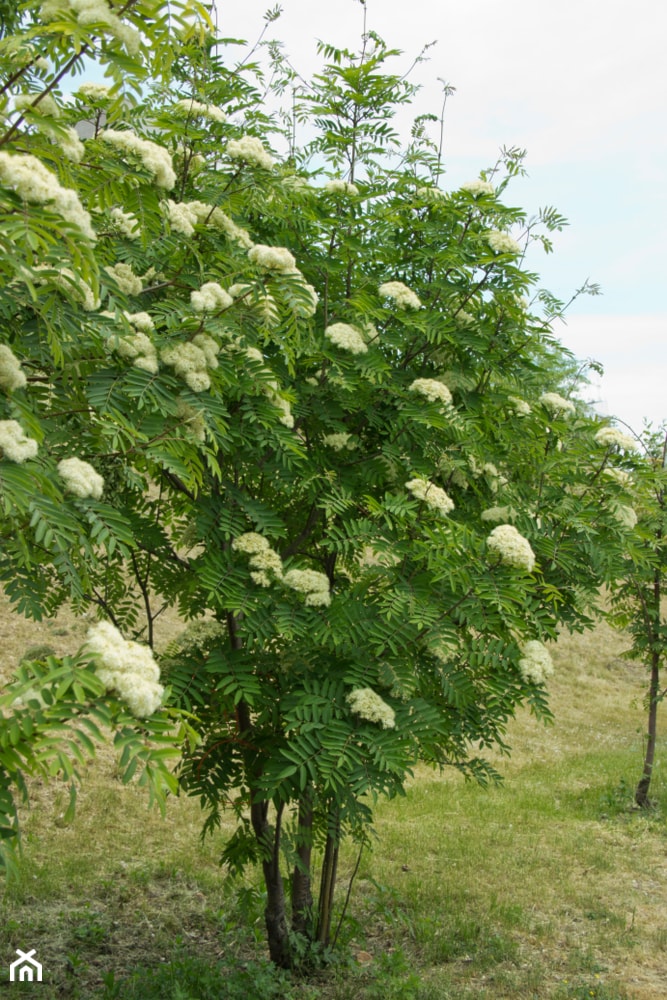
502 242
138 347
626 516
311 583
128 282
432 495
478 187
368 705
434 390
70 144
557 405
155 159
619 476
12 375
338 186
272 258
183 216
72 284
36 185
611 437
210 297
347 337
80 478
199 110
96 13
46 105
14 443
263 559
403 296
498 514
126 223
93 92
191 419
266 566
339 442
126 667
190 361
520 407
511 547
251 150
536 663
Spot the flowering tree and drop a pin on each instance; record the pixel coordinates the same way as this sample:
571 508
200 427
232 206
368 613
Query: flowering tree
315 404
637 595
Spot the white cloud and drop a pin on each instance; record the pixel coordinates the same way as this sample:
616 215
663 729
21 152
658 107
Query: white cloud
633 352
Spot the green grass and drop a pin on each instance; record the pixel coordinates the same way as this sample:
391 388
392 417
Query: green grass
547 887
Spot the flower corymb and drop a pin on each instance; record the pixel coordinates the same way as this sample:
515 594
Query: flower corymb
126 667
536 663
403 296
432 495
512 548
80 478
368 705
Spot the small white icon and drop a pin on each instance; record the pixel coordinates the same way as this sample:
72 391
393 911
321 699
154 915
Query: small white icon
25 968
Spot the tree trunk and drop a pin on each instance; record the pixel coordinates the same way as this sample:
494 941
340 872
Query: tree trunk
275 914
328 882
641 794
302 894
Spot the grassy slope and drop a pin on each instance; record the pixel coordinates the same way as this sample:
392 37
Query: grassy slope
550 886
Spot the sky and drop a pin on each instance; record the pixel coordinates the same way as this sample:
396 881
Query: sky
581 85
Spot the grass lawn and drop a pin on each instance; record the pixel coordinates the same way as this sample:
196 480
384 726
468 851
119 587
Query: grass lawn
551 886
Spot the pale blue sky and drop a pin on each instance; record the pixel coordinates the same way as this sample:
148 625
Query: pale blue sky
582 85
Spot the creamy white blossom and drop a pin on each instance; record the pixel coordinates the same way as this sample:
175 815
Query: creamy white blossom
619 476
155 159
126 223
347 337
127 667
498 514
265 563
190 363
511 547
339 442
80 478
182 217
311 583
432 495
210 297
535 664
125 278
96 13
502 242
14 442
434 390
338 186
403 296
35 184
557 405
196 109
272 258
12 375
611 437
520 407
45 106
626 516
251 150
368 705
478 187
93 92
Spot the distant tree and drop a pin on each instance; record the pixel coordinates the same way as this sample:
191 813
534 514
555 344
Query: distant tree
314 404
638 593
